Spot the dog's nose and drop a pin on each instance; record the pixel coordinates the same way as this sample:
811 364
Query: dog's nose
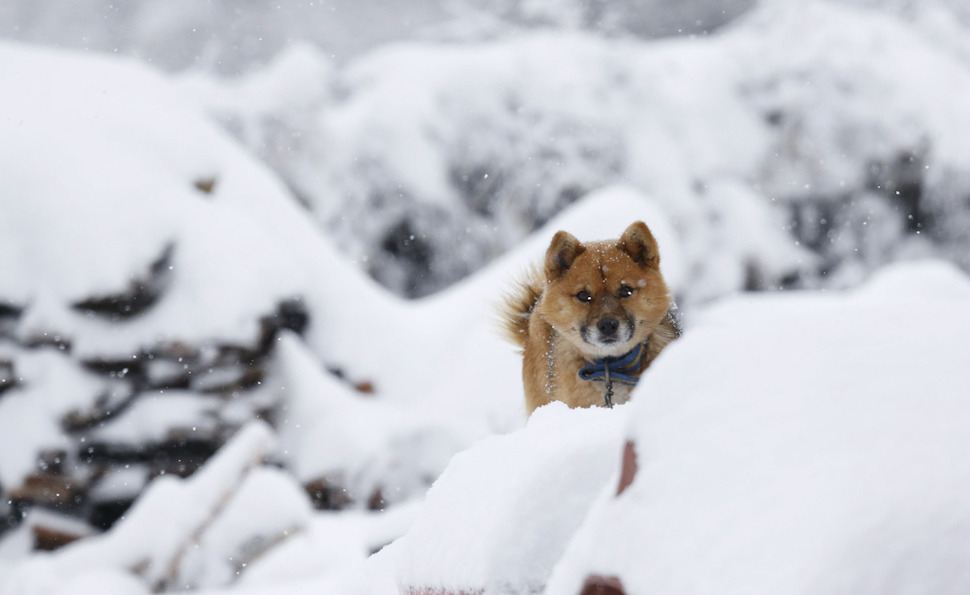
608 326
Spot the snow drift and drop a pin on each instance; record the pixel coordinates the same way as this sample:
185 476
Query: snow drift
160 288
150 267
810 443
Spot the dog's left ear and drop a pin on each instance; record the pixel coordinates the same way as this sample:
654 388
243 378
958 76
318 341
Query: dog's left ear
638 243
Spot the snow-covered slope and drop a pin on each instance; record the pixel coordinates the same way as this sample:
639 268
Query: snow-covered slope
143 251
160 289
810 442
834 460
804 443
106 172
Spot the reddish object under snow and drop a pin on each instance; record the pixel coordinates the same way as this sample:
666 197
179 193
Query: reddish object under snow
602 585
629 467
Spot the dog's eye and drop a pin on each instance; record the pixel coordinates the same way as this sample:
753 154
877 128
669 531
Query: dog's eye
625 291
584 296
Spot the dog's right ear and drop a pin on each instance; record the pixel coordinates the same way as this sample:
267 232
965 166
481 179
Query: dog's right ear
562 252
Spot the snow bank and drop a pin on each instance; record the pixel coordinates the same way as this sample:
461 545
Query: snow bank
165 538
811 442
807 145
501 515
333 543
148 265
832 460
374 451
54 387
143 174
220 270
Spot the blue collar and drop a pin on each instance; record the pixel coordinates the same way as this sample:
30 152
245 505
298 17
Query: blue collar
617 369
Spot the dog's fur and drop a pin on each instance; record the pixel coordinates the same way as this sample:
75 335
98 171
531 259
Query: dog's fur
593 300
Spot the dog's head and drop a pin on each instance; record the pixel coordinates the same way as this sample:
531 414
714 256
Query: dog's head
605 297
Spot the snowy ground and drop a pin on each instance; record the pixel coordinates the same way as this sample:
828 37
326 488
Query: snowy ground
810 443
787 444
155 277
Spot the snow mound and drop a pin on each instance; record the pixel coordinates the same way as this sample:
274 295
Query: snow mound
149 266
157 195
809 442
371 450
191 294
479 533
834 458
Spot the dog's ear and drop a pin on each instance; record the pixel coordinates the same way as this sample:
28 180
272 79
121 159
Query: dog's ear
562 252
638 242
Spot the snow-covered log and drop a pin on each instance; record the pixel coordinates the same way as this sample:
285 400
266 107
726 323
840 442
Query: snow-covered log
183 533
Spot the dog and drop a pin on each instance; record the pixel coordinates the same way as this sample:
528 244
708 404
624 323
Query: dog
591 320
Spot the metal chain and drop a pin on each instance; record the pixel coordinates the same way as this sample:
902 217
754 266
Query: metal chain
608 397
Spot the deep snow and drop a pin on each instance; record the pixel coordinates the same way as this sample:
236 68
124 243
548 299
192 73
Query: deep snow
809 443
804 442
786 444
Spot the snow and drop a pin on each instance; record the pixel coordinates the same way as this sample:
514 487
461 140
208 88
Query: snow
53 389
121 483
842 424
781 442
158 536
844 124
422 115
328 432
101 581
235 253
808 441
154 416
128 153
265 509
476 532
332 544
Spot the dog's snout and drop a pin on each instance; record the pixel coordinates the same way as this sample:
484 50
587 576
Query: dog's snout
608 326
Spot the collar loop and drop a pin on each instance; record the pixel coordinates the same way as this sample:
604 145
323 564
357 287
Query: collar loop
616 369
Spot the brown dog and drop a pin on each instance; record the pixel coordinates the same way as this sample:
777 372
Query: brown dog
595 318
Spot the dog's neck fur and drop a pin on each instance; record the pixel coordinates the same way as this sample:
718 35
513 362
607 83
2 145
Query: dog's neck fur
570 360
